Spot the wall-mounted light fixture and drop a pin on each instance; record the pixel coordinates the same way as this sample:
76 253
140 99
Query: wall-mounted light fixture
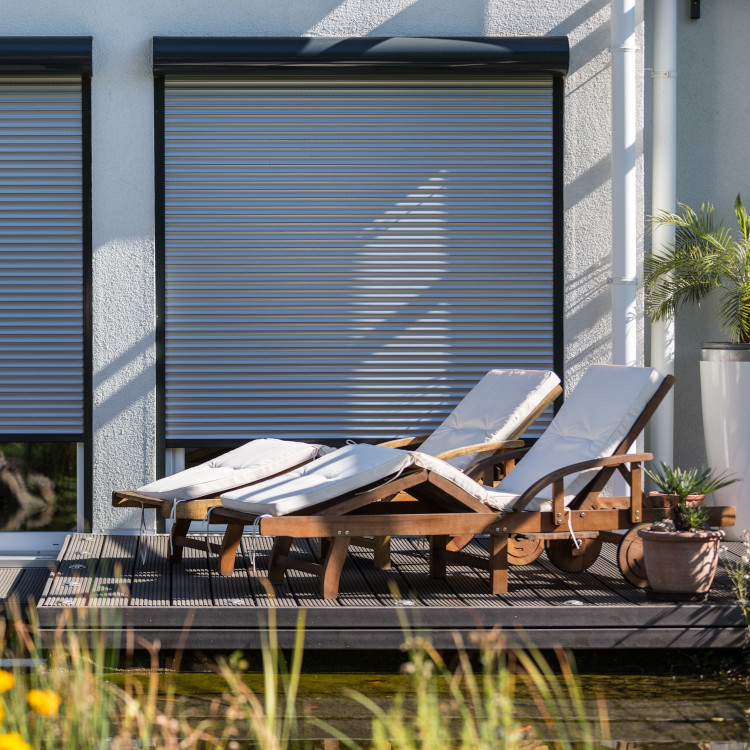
695 9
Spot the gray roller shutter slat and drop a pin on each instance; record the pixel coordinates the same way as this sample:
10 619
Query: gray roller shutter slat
346 260
41 258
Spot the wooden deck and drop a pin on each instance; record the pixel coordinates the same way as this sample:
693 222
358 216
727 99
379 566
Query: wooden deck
597 609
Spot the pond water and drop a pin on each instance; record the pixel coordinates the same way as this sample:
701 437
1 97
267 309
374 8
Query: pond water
663 712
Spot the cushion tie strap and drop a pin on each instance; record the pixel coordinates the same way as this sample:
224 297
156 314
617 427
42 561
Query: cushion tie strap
394 477
207 521
173 519
576 542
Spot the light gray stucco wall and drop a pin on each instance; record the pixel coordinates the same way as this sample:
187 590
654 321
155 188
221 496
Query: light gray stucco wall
123 171
713 165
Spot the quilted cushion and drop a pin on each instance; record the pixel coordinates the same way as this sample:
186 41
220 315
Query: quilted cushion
591 423
251 462
492 410
347 469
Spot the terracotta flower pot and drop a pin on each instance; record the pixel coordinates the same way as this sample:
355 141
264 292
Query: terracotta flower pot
681 563
656 499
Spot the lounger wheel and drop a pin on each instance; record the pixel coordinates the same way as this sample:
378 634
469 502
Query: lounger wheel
630 557
522 551
563 554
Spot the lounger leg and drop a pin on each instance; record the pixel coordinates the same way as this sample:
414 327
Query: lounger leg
438 567
281 548
498 564
332 567
180 529
382 547
323 545
229 545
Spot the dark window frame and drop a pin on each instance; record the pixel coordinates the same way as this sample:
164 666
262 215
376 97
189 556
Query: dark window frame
238 56
50 56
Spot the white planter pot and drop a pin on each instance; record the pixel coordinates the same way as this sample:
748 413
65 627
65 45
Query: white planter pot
725 397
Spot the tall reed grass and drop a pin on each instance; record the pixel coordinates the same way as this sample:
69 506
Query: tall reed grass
739 574
67 698
472 705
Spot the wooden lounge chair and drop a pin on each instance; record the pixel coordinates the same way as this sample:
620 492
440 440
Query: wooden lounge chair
491 417
552 496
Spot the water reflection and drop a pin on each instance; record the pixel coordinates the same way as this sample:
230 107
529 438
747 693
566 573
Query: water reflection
38 487
641 712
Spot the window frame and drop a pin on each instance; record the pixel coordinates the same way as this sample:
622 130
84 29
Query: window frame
210 57
49 57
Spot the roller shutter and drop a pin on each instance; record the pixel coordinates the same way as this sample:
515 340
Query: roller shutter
41 259
344 259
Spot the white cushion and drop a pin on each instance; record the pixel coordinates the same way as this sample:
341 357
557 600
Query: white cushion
492 410
499 500
591 423
345 470
251 462
444 469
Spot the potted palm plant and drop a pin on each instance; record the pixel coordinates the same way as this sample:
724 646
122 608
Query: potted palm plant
678 487
706 257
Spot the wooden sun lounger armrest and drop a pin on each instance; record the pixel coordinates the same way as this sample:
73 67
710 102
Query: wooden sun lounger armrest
485 470
595 463
133 499
498 445
497 459
195 510
407 442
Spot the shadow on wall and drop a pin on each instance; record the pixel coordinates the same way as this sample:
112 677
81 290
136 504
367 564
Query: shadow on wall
587 46
587 299
123 391
420 17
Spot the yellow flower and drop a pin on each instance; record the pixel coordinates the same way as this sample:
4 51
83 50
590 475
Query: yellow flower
7 680
2 713
13 741
44 702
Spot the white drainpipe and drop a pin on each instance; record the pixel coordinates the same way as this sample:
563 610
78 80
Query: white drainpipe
664 198
624 213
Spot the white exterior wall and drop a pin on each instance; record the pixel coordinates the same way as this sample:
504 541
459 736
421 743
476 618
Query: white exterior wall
713 165
123 172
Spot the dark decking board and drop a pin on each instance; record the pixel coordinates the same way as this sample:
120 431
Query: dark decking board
76 572
191 581
259 584
152 585
230 591
29 584
594 609
9 579
115 569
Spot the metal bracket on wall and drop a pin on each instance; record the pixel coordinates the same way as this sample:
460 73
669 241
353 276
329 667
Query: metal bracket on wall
695 9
